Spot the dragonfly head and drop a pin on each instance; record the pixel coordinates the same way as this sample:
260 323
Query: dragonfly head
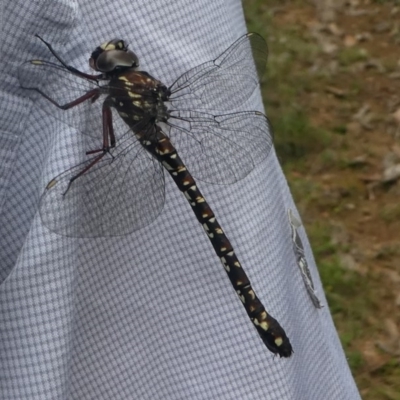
113 56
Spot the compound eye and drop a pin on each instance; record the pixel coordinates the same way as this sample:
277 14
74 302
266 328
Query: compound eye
113 55
113 59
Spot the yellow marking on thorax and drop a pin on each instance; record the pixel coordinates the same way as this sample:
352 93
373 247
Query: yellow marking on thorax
134 95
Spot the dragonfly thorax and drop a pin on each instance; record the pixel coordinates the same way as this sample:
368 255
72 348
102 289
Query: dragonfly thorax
113 56
137 96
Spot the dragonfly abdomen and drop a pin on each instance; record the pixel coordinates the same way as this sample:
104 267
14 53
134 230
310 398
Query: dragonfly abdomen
271 333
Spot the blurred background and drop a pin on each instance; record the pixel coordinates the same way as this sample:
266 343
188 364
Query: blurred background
332 93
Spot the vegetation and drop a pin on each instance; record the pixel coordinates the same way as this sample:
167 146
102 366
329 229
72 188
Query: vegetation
330 92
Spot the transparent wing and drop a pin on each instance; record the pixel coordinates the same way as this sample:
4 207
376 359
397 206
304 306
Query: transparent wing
125 192
220 149
226 82
118 195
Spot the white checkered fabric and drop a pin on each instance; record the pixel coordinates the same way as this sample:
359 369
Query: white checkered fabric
150 315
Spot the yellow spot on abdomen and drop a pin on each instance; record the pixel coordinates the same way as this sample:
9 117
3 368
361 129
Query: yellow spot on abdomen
263 325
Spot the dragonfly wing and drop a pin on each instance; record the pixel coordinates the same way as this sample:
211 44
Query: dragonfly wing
116 196
224 83
220 149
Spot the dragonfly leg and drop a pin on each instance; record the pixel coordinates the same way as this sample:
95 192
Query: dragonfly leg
108 143
91 94
84 170
69 67
109 140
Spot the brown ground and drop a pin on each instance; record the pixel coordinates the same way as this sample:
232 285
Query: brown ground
345 70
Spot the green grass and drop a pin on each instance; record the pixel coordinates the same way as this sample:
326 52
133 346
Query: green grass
344 290
351 55
297 137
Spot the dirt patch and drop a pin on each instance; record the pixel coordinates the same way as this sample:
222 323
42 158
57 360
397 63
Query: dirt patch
334 76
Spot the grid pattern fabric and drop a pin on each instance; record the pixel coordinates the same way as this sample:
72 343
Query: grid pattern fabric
150 315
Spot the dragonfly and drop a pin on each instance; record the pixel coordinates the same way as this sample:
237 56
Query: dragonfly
145 128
